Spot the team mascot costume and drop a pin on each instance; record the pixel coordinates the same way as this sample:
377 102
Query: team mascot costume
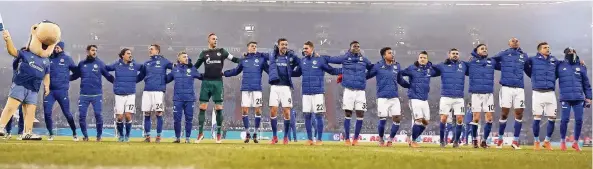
33 69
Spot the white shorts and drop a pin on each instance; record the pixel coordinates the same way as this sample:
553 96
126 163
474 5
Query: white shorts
280 95
388 107
314 103
544 103
251 99
448 106
153 101
511 97
125 104
420 109
482 102
354 100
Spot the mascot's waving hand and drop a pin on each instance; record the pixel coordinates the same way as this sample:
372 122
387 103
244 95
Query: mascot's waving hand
33 68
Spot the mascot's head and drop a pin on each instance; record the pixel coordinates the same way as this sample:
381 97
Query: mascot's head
44 37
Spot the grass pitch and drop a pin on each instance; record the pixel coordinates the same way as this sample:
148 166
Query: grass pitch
64 153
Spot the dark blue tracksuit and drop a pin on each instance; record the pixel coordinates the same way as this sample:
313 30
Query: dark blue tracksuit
90 71
184 96
60 67
575 87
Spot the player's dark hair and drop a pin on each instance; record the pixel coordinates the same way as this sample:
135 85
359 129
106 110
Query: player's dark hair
123 52
479 45
541 44
384 50
281 40
453 49
309 43
157 47
353 42
24 48
88 48
211 34
252 42
424 53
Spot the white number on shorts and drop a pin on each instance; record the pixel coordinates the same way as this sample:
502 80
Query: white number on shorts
522 102
289 101
159 106
257 101
364 105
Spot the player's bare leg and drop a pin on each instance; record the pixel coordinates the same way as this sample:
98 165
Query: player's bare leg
535 127
219 122
442 130
274 123
245 113
201 120
502 125
394 128
286 114
347 118
474 127
7 113
517 127
257 123
549 132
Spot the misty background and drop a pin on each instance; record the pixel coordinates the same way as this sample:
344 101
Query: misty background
408 27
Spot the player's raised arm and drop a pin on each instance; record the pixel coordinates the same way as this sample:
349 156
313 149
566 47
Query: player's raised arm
400 78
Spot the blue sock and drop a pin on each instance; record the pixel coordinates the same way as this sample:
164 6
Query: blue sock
501 127
442 130
9 125
458 130
246 123
449 129
308 125
518 125
421 130
347 128
550 129
319 123
381 127
159 125
286 127
257 123
147 125
394 129
535 127
120 128
128 128
357 128
274 122
474 128
415 132
487 130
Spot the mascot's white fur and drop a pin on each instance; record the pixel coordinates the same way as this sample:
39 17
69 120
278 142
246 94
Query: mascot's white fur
42 41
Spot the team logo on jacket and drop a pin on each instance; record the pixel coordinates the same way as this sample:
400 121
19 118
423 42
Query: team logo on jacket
578 69
188 72
95 66
314 62
521 56
246 61
256 60
218 54
360 58
61 62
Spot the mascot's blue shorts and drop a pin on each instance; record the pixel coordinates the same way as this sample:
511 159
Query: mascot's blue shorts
22 94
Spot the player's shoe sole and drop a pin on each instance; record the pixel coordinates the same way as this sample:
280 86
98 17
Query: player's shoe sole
515 145
255 139
147 139
499 144
576 147
218 139
158 139
247 137
34 137
562 146
50 138
75 138
484 144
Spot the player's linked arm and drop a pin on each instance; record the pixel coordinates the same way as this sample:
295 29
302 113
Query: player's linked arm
200 60
234 72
